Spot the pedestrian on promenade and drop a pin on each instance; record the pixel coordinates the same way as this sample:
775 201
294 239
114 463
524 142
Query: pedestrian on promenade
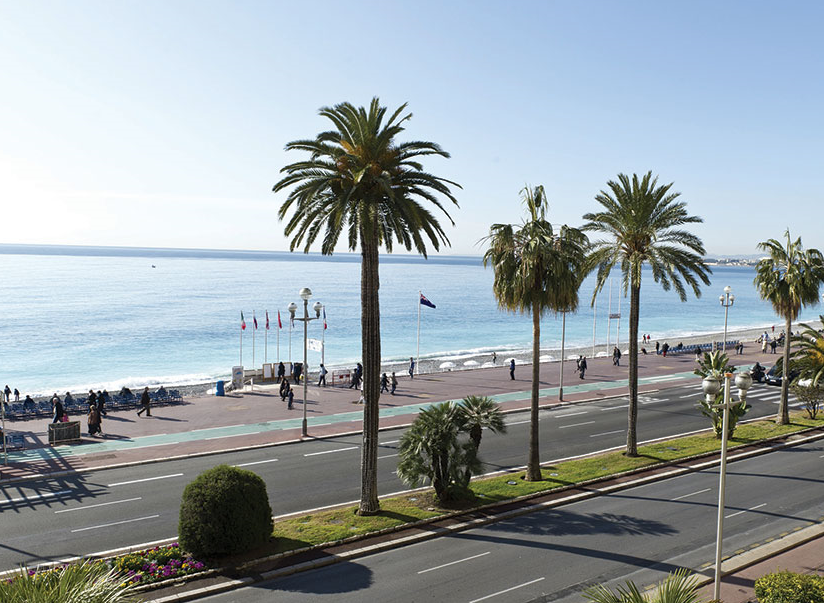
281 371
92 398
657 346
94 420
394 382
616 356
664 349
146 403
7 391
57 409
101 402
773 345
582 367
284 389
291 398
356 376
411 367
384 383
764 344
16 395
323 372
512 369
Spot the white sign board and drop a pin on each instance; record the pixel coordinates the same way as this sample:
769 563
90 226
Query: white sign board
237 377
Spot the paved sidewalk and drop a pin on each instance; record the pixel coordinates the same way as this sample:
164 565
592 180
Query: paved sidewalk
213 424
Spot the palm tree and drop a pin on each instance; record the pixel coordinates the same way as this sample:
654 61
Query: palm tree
644 224
789 278
808 355
476 413
359 181
536 270
677 587
90 582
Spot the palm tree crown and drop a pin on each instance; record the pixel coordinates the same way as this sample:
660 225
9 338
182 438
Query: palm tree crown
537 269
790 278
644 223
808 355
358 179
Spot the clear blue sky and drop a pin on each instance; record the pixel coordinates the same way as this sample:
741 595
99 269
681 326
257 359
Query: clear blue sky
156 123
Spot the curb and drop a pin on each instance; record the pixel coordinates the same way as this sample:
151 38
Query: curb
730 566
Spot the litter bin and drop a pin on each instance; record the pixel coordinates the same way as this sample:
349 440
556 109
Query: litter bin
219 391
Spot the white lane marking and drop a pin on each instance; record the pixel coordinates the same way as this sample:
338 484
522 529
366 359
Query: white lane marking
114 502
571 414
616 407
745 510
389 442
687 396
386 456
501 592
651 401
146 479
33 497
431 569
320 424
331 451
690 494
518 422
595 435
256 463
576 424
231 435
150 445
116 523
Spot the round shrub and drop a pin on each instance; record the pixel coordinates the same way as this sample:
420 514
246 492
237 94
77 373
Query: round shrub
787 587
225 511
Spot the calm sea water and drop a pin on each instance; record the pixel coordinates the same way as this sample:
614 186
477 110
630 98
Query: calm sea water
91 320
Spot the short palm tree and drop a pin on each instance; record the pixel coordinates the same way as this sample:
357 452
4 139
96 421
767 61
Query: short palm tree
789 278
643 223
808 355
432 450
537 269
476 413
90 582
677 587
359 181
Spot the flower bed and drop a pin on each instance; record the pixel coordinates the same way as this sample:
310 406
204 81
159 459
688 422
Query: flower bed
157 564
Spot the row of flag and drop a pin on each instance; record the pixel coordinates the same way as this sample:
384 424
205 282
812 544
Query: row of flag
280 323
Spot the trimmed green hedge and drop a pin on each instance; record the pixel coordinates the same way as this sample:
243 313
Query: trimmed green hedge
787 587
225 511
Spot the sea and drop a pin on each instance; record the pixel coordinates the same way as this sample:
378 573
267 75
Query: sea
75 318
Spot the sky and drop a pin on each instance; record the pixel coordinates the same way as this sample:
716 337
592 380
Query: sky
163 124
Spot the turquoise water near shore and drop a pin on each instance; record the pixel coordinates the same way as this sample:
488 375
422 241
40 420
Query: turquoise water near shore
92 320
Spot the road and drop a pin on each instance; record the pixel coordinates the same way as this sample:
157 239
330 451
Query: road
639 534
51 519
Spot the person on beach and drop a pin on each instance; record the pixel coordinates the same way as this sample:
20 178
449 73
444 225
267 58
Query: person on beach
16 395
411 367
57 409
384 383
582 367
773 345
512 369
494 357
94 421
657 346
281 372
28 403
394 382
322 379
146 403
764 344
616 356
68 400
7 391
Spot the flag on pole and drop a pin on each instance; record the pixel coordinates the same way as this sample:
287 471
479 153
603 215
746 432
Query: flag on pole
242 322
254 320
426 302
324 319
267 320
280 324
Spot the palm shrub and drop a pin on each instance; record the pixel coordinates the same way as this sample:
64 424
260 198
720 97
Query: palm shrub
431 450
716 364
789 278
360 182
807 357
225 511
677 587
643 223
476 413
787 587
89 582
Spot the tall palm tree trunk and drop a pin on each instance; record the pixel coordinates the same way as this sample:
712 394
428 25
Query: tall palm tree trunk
783 408
371 352
632 411
533 468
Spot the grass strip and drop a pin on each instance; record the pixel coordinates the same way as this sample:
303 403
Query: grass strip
333 525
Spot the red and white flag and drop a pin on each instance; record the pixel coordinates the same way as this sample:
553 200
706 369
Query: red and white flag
254 320
267 320
280 324
242 322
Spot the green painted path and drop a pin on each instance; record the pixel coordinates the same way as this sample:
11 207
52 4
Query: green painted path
216 433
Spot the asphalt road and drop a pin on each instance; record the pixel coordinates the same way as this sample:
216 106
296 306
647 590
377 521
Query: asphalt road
639 534
54 518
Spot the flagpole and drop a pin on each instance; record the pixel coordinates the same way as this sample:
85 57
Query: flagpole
609 315
563 340
241 339
254 330
323 340
618 330
278 336
266 340
418 353
594 316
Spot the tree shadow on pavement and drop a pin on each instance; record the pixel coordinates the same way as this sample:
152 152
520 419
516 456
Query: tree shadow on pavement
342 577
558 522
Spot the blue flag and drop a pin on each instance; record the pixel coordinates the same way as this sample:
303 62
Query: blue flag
426 302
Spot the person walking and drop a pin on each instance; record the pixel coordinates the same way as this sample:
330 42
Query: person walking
394 382
281 372
146 403
101 402
94 420
7 391
512 369
284 389
290 396
494 357
92 398
616 356
384 383
664 349
411 367
582 367
16 395
657 346
773 345
356 374
57 409
323 373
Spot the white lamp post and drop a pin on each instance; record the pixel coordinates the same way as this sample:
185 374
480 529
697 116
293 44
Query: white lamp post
305 295
727 300
711 387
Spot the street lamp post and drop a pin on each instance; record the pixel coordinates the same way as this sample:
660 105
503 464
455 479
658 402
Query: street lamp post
711 387
727 300
305 295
